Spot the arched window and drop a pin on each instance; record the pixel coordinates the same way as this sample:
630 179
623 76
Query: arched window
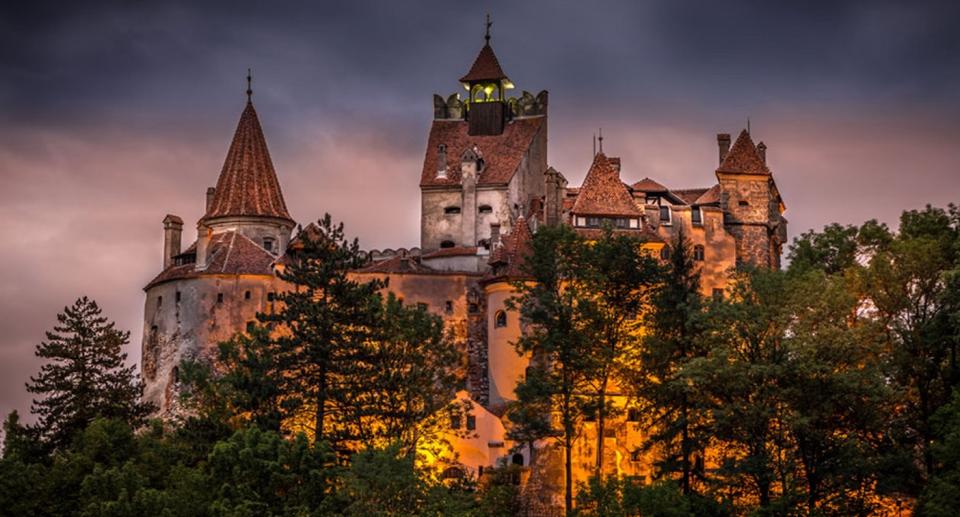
698 252
665 253
451 210
485 209
517 459
500 319
447 244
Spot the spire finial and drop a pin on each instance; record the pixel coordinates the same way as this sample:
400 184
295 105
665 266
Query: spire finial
487 35
748 125
594 144
249 86
600 139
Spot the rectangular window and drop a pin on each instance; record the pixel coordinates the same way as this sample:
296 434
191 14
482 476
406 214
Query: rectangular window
271 296
593 222
455 421
665 214
177 297
622 222
219 297
422 306
159 301
717 294
696 216
448 307
471 422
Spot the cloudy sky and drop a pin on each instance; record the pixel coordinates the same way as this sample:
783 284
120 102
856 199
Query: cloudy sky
115 114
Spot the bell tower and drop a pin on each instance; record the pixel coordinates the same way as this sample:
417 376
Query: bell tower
486 108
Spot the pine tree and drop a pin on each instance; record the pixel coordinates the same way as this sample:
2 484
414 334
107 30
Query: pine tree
674 339
86 376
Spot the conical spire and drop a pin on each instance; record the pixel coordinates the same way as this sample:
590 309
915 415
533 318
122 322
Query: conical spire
486 67
744 158
248 184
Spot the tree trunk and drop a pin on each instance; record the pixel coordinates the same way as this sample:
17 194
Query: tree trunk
568 482
685 448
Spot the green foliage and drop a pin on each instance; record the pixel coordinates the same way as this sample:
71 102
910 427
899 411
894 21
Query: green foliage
941 497
85 375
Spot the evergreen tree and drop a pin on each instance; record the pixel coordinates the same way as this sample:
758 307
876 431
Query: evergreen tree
664 388
325 319
559 345
85 376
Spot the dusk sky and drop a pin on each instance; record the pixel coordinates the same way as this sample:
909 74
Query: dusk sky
115 114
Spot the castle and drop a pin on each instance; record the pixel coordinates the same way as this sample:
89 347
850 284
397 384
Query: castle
486 186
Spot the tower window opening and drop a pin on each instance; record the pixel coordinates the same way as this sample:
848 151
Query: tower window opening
485 209
268 244
448 307
219 297
471 422
271 297
175 374
517 459
450 210
698 253
246 295
447 244
744 202
500 319
177 297
159 301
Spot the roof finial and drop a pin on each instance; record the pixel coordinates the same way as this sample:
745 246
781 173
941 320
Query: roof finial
489 23
748 125
600 139
249 86
594 144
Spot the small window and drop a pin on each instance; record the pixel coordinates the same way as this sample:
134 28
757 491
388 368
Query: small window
500 319
175 374
455 421
271 297
451 210
744 202
665 253
251 325
665 214
593 222
422 306
177 297
622 222
473 307
448 307
219 297
485 209
246 295
268 244
159 301
696 216
633 415
717 294
698 253
471 423
517 459
447 244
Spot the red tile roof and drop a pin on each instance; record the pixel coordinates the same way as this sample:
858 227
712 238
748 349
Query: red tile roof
743 157
648 185
710 197
398 264
602 192
485 68
502 153
508 259
690 195
230 253
248 184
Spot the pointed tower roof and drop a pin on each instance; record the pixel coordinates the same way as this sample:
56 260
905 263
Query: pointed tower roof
248 184
485 68
743 157
602 192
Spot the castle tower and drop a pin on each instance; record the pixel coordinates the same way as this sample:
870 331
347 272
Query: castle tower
484 166
216 286
751 203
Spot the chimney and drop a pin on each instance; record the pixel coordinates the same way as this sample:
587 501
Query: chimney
172 230
494 236
204 235
723 140
210 192
442 161
762 149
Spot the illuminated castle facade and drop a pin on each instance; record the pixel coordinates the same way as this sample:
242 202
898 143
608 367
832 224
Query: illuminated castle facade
486 186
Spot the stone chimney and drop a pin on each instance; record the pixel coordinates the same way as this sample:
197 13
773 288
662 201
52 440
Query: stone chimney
442 161
723 141
204 236
210 192
172 230
494 236
762 149
556 186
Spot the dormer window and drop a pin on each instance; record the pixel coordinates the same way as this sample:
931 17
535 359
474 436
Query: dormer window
268 244
485 209
696 215
450 210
